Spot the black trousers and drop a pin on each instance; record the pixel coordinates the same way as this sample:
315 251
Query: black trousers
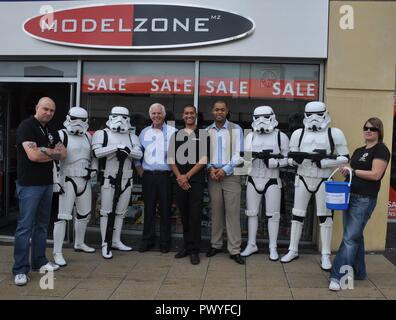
189 203
157 188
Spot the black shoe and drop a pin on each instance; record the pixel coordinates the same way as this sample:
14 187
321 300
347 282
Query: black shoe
237 258
145 247
164 248
194 258
213 251
181 254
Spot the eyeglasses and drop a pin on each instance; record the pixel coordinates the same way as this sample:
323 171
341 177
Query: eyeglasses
372 129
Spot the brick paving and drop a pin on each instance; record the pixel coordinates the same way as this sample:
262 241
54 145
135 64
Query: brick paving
156 276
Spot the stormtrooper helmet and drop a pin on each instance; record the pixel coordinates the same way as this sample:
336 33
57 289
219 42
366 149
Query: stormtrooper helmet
264 120
76 122
119 120
316 117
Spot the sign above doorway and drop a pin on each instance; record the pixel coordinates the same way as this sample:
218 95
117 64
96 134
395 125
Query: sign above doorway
138 26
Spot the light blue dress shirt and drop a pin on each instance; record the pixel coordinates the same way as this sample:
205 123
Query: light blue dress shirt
155 144
222 158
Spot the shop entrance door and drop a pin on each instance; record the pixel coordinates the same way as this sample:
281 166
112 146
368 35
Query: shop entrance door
18 101
3 106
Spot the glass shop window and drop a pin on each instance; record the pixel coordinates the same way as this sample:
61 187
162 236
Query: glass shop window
245 86
136 85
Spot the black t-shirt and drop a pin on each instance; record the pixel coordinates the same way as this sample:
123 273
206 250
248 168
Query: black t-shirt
187 149
33 173
362 159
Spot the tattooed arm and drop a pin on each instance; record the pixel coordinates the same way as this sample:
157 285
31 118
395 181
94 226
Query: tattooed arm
35 154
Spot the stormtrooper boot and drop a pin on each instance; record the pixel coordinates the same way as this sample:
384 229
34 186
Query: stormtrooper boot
295 235
251 246
326 230
80 226
116 241
273 228
103 225
59 236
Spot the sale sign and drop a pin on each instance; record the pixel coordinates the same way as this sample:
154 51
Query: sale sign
392 205
208 86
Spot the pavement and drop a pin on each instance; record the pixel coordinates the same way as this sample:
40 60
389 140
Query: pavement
156 276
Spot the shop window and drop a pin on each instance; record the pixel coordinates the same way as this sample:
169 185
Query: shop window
245 86
136 85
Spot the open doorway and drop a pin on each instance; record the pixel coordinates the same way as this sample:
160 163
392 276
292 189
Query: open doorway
17 102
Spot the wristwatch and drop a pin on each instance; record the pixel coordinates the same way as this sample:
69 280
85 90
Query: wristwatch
353 172
43 150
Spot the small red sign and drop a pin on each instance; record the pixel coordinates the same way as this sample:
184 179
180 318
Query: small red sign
392 205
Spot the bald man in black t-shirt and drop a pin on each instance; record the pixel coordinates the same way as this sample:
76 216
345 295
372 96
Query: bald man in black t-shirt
38 145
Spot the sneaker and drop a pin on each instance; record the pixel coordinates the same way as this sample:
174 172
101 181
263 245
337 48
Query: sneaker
21 279
49 266
334 286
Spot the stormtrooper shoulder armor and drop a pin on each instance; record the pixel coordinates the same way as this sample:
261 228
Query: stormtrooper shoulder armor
100 147
295 140
136 151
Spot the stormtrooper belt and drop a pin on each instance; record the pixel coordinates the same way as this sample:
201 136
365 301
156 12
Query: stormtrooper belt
113 180
267 185
68 179
306 186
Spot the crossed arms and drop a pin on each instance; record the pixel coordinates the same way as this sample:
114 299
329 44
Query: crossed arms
43 154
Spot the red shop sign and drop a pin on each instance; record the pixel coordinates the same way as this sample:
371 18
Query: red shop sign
138 26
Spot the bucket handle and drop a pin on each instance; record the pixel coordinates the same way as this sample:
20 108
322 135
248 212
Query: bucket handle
350 175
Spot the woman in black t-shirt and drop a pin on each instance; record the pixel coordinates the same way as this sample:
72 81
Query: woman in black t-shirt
368 165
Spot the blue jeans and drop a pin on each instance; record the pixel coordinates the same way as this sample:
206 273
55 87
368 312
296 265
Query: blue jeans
34 215
351 251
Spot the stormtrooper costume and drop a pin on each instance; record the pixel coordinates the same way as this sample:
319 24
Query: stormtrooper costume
74 175
107 145
263 178
316 134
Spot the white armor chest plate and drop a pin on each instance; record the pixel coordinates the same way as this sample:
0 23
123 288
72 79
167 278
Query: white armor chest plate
315 140
78 157
116 138
262 142
310 142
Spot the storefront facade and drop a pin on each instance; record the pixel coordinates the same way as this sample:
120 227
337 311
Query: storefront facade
97 56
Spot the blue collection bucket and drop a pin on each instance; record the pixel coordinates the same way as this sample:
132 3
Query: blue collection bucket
337 193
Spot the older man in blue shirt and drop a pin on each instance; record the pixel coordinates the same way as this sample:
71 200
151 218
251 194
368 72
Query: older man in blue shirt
156 180
226 139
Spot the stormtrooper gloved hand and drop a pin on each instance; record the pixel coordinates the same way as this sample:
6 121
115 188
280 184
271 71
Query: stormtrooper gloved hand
122 153
91 173
272 163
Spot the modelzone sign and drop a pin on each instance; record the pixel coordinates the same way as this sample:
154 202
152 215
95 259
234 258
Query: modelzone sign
139 26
